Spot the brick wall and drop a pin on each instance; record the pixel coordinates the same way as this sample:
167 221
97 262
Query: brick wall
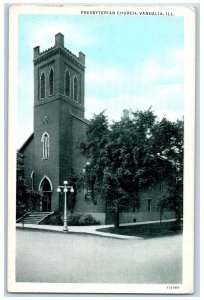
56 110
47 167
154 194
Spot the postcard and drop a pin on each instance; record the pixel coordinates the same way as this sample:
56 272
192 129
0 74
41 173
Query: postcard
101 149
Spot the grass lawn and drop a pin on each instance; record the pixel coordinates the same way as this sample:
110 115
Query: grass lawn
147 231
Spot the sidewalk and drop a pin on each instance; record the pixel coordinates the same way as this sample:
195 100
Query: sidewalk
77 229
87 229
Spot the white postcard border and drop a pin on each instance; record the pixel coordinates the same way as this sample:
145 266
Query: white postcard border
188 235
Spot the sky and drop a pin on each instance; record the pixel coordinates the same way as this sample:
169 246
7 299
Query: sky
132 62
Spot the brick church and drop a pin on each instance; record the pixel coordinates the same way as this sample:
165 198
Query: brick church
51 154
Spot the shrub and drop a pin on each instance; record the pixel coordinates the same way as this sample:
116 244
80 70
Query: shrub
54 219
89 220
82 220
74 219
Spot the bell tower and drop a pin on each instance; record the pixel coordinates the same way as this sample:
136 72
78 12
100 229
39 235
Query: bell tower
58 96
58 73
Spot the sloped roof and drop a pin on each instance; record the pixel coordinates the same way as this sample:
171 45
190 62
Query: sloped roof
26 143
80 118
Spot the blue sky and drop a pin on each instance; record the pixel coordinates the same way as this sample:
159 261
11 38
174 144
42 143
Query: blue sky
132 62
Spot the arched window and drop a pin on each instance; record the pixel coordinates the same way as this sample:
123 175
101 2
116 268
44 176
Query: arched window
42 85
51 81
45 140
32 180
149 207
75 89
67 83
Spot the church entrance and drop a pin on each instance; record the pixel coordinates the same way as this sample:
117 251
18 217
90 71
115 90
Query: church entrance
45 203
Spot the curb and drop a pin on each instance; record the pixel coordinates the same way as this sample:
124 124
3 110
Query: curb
91 232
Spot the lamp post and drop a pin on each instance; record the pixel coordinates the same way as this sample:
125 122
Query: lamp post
65 189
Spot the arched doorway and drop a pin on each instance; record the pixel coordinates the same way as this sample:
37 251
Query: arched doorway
46 190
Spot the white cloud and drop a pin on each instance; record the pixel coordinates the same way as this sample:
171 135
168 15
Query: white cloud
153 71
145 79
45 36
104 75
164 99
168 95
115 92
25 85
23 133
178 56
170 115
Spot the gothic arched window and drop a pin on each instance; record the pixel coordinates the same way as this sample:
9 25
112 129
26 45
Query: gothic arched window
149 207
51 81
32 180
75 89
42 85
45 141
67 83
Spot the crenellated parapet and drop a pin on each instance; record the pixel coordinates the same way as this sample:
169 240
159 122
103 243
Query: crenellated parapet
58 48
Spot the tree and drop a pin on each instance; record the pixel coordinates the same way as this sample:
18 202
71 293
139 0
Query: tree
126 157
94 149
167 144
130 154
24 196
21 188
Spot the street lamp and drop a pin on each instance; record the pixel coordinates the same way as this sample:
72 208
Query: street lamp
65 189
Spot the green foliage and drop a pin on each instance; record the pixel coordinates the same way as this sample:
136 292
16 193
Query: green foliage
133 153
175 199
74 219
54 219
167 144
22 193
25 198
147 231
81 220
89 220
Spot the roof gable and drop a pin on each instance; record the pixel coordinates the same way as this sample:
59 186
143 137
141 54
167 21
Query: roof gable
26 143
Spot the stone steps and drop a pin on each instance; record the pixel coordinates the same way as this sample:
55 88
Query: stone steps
36 217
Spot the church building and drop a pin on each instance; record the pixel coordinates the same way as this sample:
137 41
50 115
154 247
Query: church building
52 154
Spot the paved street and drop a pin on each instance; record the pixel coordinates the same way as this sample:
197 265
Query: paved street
77 258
